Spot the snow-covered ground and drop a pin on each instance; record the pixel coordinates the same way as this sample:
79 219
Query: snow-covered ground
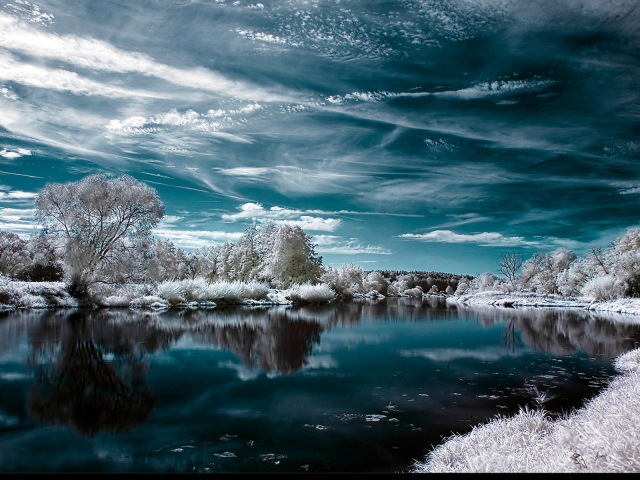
629 306
603 436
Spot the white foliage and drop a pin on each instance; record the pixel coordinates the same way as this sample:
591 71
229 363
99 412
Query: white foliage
345 281
308 293
606 287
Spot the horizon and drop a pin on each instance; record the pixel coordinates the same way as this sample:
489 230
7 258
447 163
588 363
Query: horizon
413 135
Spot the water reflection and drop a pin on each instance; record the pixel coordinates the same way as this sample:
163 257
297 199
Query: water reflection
91 368
90 371
561 331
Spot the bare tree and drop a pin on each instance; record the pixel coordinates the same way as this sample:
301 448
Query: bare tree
509 265
96 215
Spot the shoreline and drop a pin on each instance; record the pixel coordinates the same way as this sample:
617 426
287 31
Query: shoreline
602 436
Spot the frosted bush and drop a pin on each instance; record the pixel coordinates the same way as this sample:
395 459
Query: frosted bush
606 287
397 288
433 290
172 291
345 281
414 292
462 288
307 293
376 282
484 282
255 290
449 290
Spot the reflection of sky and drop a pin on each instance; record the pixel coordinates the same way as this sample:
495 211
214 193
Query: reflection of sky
451 354
416 134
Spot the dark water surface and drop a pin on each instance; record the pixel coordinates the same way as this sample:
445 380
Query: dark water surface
362 386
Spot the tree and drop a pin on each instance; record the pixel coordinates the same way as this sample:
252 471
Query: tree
14 256
509 265
95 216
289 257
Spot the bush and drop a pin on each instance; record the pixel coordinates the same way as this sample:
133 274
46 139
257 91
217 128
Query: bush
307 293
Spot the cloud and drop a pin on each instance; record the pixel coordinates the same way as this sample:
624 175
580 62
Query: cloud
17 195
17 153
485 239
451 354
18 220
60 80
282 216
294 179
481 90
190 120
99 55
195 238
335 245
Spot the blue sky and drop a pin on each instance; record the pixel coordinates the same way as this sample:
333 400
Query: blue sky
413 134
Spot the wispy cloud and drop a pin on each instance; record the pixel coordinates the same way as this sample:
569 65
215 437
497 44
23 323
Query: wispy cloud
475 92
61 80
485 239
100 55
18 220
211 122
337 245
195 238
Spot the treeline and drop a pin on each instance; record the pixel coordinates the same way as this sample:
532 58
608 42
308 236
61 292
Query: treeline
280 256
350 280
600 275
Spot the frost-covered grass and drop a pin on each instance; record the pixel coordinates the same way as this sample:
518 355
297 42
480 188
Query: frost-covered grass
308 293
14 294
629 306
603 436
196 293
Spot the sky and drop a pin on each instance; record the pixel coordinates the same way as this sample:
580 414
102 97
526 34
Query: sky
412 134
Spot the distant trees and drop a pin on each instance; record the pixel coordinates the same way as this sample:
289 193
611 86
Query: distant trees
97 217
36 259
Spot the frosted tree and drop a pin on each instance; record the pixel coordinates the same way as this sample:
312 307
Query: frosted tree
244 256
290 257
95 216
15 260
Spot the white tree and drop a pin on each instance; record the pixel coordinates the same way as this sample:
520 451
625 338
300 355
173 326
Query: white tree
290 257
14 256
95 215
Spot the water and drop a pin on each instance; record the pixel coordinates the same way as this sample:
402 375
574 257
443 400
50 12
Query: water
367 386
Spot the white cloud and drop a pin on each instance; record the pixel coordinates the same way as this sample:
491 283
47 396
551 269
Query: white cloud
486 239
30 12
282 216
336 245
195 238
163 122
17 195
18 220
309 223
481 90
17 153
99 55
60 80
496 88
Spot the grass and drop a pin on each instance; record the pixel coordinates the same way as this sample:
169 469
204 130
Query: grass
603 436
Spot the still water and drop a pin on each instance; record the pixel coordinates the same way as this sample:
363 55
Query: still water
361 386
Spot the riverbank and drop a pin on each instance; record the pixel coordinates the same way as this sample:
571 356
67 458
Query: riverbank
628 306
603 436
196 293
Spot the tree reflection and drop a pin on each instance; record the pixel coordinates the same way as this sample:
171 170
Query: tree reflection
90 372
